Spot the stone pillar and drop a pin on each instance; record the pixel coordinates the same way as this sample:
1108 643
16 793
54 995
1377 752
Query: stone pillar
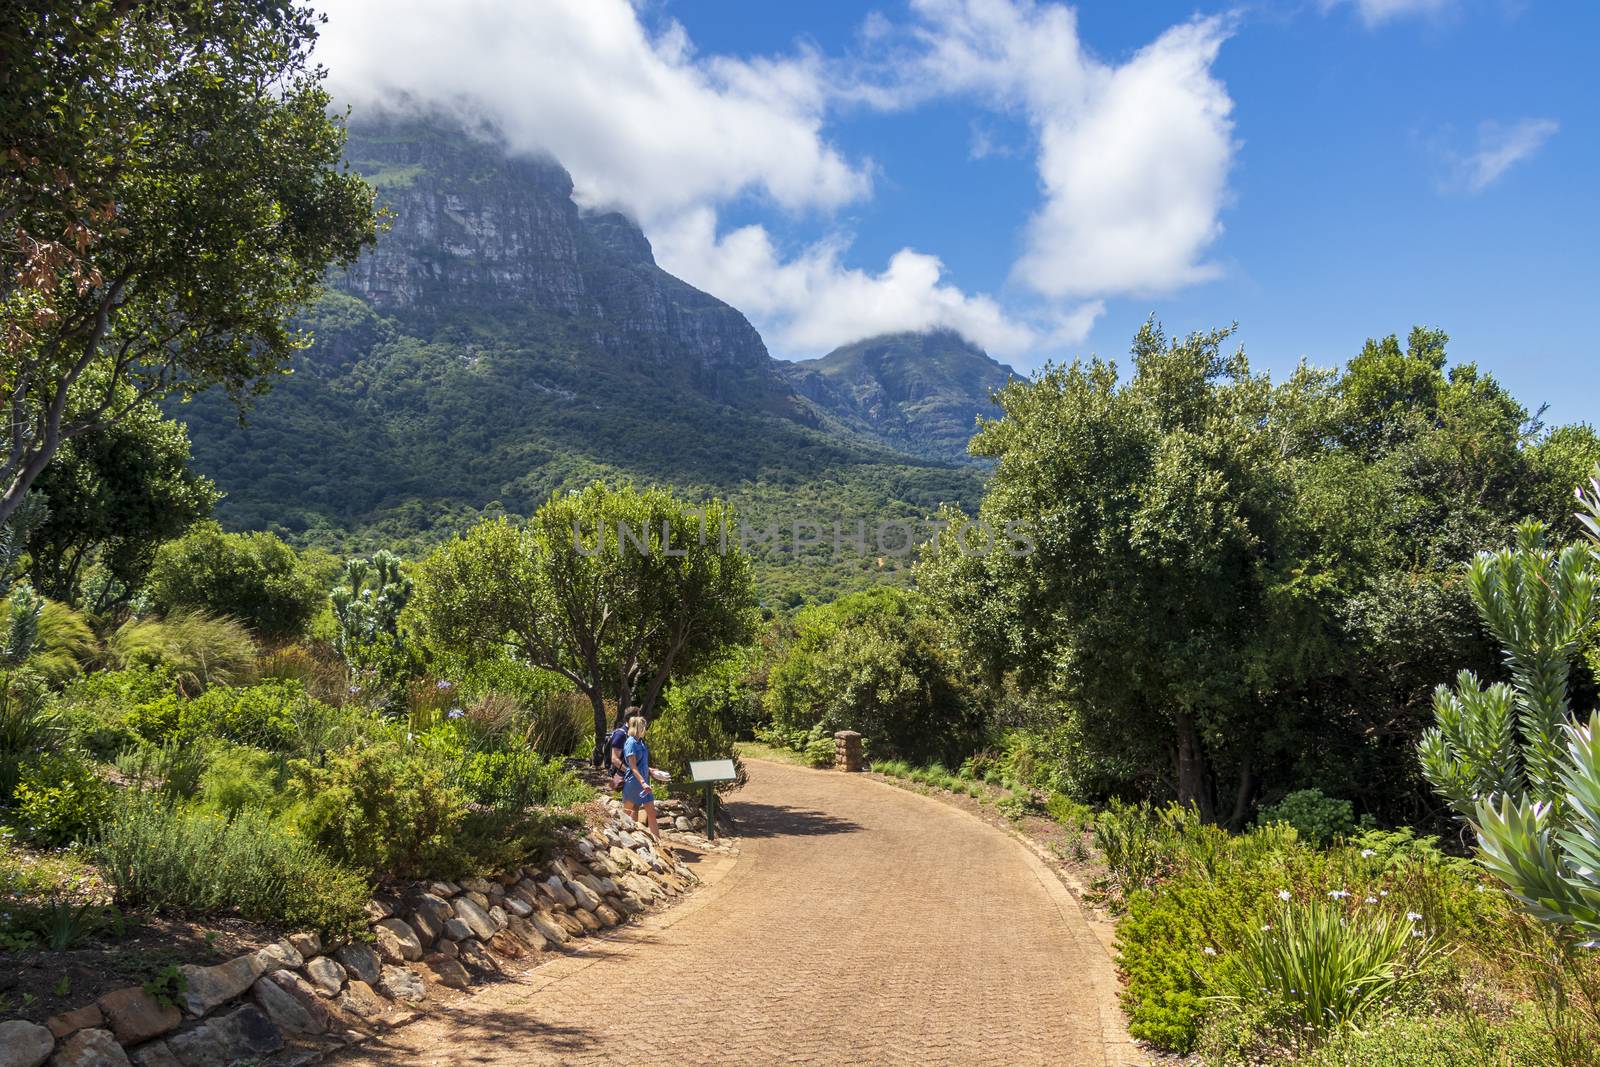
847 750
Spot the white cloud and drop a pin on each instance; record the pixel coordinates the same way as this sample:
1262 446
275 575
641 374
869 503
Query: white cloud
811 302
1132 158
1499 148
1377 12
640 121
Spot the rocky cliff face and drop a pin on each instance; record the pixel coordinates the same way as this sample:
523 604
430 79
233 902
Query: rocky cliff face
479 231
917 391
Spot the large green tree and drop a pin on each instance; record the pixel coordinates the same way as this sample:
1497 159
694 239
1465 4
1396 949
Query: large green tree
112 498
615 588
253 577
169 193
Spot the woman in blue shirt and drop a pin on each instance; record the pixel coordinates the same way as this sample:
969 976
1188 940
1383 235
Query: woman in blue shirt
636 792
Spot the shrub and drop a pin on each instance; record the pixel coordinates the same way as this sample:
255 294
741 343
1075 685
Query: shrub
237 777
253 577
197 649
61 798
172 767
28 725
1439 1041
514 779
558 724
1317 818
171 857
820 752
64 644
1161 946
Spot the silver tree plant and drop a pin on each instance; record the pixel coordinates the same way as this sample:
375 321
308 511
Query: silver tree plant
1515 760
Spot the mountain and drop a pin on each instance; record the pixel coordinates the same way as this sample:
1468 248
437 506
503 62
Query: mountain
500 344
921 392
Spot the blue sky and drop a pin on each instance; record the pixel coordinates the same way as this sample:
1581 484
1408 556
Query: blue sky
1320 172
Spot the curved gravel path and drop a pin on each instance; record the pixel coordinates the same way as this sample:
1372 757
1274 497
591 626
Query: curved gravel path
861 924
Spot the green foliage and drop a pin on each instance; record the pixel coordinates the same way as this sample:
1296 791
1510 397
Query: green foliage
253 577
1161 953
169 857
878 664
64 644
60 798
1316 817
172 197
588 589
272 715
816 746
28 725
1441 1041
690 724
238 777
367 604
1513 759
197 649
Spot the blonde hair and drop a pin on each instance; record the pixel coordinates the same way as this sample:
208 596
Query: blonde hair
637 726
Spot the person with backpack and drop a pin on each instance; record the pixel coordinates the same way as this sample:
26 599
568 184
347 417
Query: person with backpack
636 791
614 744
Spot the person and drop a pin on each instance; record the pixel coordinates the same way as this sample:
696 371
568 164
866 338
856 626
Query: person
636 791
614 743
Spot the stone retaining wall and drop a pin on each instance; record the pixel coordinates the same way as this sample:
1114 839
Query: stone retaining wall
302 996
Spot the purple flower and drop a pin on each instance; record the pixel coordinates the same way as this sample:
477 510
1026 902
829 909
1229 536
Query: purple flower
443 684
454 713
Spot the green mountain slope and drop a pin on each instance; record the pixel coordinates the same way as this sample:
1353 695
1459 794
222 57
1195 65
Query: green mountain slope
920 392
499 345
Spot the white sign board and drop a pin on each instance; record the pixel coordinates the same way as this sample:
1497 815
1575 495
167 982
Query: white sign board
711 770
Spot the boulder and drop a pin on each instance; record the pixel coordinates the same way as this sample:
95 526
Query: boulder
446 971
586 917
362 1001
607 915
527 933
291 1003
208 987
480 899
477 885
476 918
155 1054
401 984
307 944
70 1022
280 956
435 907
243 1034
446 947
515 905
621 857
361 961
456 930
552 931
682 823
508 945
396 941
137 1016
558 891
627 904
90 1048
477 959
326 975
427 929
25 1044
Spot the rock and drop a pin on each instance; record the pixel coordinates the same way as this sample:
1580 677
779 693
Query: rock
281 956
401 984
70 1022
242 1034
548 928
447 972
326 975
435 907
307 944
497 915
360 1000
474 956
443 890
361 961
621 857
446 947
396 941
570 924
516 906
377 909
558 891
507 944
476 885
527 933
479 899
90 1048
606 915
207 987
586 848
586 917
137 1016
457 930
682 823
586 898
25 1044
155 1054
626 904
427 928
476 918
290 1003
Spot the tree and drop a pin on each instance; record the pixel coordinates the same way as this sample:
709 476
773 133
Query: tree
1513 759
112 498
168 194
252 577
612 587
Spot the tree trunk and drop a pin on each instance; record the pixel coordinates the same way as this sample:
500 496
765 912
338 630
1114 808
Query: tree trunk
1241 798
1194 778
601 724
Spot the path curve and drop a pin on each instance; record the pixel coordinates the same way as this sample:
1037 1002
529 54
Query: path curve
862 924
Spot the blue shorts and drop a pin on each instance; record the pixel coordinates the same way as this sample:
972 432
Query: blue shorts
636 794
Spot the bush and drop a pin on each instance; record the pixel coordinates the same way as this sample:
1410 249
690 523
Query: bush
514 779
28 725
171 857
173 768
237 777
61 798
1161 946
253 577
1317 818
198 650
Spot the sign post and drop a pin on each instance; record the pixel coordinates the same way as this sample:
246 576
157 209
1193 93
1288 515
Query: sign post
710 773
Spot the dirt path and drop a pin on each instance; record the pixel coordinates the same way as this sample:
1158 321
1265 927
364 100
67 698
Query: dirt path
861 925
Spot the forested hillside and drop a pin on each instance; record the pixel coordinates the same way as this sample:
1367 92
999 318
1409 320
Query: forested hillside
498 345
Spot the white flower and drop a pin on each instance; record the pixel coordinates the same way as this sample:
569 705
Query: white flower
1209 951
1413 916
1372 900
1368 853
1283 894
1338 894
1265 928
1478 888
1383 892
